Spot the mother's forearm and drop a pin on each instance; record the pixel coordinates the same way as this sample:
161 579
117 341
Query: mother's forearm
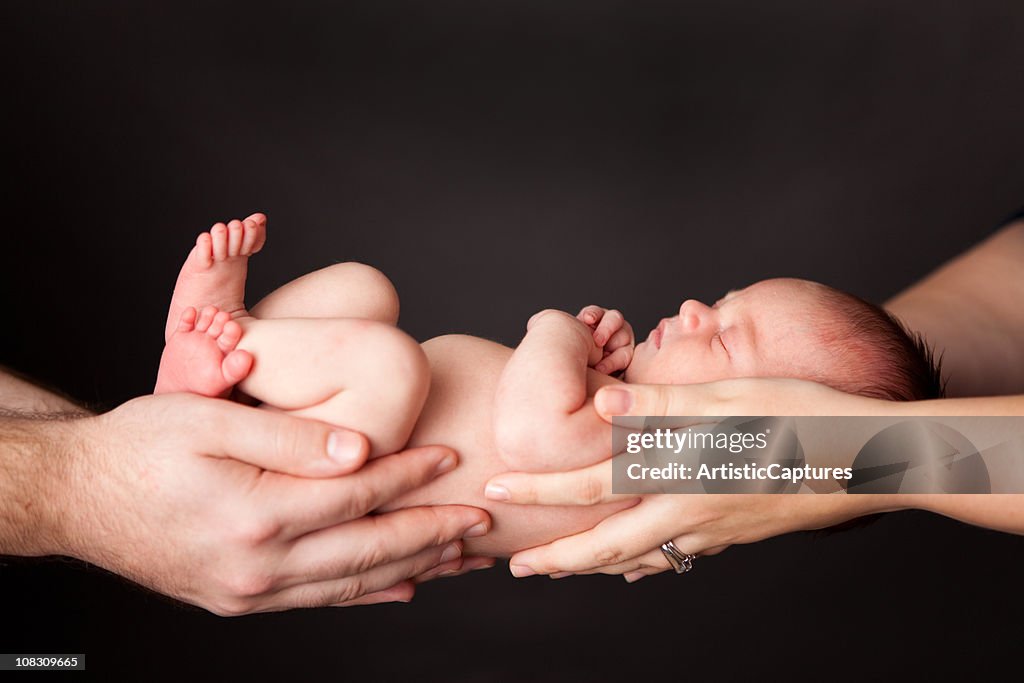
970 310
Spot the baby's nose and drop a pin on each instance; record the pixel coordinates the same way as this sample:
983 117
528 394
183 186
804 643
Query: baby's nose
693 315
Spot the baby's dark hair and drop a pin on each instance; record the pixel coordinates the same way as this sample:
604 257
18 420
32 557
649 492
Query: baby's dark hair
877 355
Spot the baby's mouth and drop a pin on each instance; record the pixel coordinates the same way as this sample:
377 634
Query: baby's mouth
657 333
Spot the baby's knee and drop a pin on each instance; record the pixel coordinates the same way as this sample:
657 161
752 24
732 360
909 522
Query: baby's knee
397 381
404 364
358 282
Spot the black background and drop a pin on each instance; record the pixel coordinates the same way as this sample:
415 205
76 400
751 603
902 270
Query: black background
496 158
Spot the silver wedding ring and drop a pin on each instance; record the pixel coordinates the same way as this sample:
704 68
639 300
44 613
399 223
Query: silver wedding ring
680 561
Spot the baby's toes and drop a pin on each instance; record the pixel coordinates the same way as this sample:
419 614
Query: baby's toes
206 317
187 321
219 235
234 237
202 253
217 324
236 366
255 227
230 336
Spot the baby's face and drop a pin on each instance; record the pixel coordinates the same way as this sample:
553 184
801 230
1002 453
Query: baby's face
770 329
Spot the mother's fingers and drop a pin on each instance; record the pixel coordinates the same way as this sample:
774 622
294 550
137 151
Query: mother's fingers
624 535
652 399
587 486
362 544
305 505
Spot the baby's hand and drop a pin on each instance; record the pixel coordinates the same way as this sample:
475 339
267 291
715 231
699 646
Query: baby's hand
613 334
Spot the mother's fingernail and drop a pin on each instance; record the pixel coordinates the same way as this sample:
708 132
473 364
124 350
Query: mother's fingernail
497 492
633 577
613 401
520 570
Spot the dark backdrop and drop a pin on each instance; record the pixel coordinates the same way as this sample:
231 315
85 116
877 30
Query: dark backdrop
496 158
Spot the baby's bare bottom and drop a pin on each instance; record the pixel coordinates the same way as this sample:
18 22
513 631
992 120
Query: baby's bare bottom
304 343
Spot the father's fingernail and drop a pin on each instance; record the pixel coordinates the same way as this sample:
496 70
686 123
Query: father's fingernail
450 553
475 530
344 448
633 577
614 401
447 464
497 492
520 570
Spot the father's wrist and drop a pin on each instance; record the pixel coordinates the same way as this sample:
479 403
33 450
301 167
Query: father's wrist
34 464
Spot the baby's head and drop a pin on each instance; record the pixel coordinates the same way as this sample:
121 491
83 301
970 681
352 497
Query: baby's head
789 328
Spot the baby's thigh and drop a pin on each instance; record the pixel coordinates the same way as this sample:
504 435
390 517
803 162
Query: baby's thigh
359 374
344 290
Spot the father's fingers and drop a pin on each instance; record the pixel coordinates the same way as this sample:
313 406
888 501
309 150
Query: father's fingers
305 505
281 443
587 486
403 591
469 564
362 544
345 590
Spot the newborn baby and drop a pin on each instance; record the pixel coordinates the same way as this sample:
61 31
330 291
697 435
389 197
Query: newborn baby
325 346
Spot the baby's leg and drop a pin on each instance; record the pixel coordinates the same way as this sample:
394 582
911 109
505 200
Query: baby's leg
361 374
344 290
214 272
201 356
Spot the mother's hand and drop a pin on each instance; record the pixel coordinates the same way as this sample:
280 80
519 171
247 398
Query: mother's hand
628 542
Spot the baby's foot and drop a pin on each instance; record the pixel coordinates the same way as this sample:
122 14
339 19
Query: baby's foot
201 356
214 272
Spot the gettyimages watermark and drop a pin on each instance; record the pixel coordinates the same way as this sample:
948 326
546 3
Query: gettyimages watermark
859 455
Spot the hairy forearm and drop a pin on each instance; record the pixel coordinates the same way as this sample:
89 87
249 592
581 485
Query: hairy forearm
33 459
37 429
19 394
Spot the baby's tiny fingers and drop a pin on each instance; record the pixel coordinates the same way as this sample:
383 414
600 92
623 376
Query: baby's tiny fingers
616 360
609 325
590 314
624 337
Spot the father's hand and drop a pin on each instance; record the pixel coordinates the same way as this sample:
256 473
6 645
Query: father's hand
240 510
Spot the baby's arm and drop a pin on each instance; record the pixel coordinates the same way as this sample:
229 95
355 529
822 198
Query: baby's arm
544 418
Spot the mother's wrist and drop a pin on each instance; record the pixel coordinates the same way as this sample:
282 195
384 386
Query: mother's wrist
863 504
821 510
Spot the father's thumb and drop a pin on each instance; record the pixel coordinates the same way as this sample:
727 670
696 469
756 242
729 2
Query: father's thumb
286 444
